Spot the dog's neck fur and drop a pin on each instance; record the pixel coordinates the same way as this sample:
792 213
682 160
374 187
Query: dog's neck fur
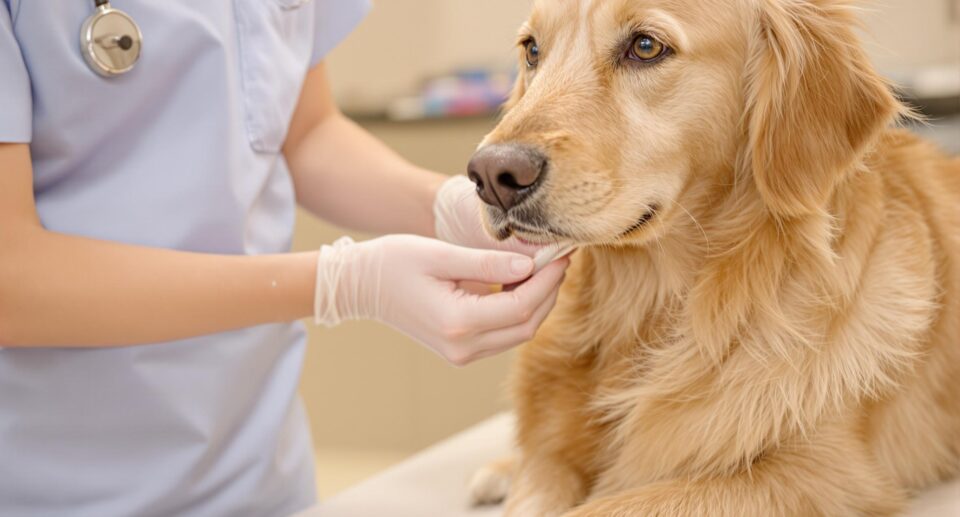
767 300
681 287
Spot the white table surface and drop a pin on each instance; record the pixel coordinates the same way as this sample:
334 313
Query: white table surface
434 482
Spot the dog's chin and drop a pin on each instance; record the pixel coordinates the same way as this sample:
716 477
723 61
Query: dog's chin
525 235
540 239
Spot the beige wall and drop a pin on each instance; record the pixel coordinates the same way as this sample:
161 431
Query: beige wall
366 387
402 41
904 34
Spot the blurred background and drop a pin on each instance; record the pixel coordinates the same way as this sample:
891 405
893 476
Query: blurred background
426 76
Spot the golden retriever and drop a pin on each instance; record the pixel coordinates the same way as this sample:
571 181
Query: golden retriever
764 317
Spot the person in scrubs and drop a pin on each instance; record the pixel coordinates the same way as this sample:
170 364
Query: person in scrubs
147 297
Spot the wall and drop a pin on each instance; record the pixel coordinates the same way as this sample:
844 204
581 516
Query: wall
403 41
905 34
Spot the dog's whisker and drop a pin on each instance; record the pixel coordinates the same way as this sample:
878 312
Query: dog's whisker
695 221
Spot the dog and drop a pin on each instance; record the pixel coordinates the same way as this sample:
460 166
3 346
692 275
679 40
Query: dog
763 318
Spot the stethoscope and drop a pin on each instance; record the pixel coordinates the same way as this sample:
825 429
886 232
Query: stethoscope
110 40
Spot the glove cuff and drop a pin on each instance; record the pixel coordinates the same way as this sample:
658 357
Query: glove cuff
330 268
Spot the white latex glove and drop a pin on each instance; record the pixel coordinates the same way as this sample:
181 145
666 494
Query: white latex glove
458 212
413 284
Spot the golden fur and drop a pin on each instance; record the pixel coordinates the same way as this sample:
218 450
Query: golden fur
783 337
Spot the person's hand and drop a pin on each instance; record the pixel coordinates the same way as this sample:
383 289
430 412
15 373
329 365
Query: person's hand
459 220
413 284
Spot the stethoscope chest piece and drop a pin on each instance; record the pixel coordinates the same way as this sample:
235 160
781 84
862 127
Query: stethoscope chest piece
110 41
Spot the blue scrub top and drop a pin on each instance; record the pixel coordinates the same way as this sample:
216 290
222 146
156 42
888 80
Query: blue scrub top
181 153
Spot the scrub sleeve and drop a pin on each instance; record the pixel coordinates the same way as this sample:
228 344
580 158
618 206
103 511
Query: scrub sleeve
15 99
335 20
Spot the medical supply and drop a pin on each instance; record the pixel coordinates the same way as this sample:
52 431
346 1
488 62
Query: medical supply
464 93
551 254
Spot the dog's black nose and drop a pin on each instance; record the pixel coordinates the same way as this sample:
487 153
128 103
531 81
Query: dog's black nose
506 174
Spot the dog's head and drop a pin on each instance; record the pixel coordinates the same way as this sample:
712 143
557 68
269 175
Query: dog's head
624 106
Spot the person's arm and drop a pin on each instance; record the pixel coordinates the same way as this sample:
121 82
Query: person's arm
348 177
58 290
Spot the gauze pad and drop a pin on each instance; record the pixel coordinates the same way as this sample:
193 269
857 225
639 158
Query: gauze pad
551 253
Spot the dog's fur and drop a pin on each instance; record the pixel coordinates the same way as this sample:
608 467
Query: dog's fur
783 337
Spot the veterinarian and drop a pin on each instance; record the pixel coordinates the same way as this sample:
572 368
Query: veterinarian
148 180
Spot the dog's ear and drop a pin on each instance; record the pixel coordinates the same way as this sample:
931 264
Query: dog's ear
814 102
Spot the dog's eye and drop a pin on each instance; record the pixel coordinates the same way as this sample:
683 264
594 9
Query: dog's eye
532 52
647 49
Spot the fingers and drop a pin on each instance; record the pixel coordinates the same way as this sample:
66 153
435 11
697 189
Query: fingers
507 309
477 288
473 323
499 341
486 266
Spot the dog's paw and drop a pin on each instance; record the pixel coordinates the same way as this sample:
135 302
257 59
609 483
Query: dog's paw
491 483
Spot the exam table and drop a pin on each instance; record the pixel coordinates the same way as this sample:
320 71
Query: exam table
433 483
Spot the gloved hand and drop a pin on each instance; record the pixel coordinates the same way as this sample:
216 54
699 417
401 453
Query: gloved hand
412 284
459 220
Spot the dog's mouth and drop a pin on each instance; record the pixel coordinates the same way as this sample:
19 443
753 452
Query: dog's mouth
538 233
644 220
531 234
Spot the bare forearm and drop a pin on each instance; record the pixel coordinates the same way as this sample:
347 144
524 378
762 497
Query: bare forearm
346 176
57 290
